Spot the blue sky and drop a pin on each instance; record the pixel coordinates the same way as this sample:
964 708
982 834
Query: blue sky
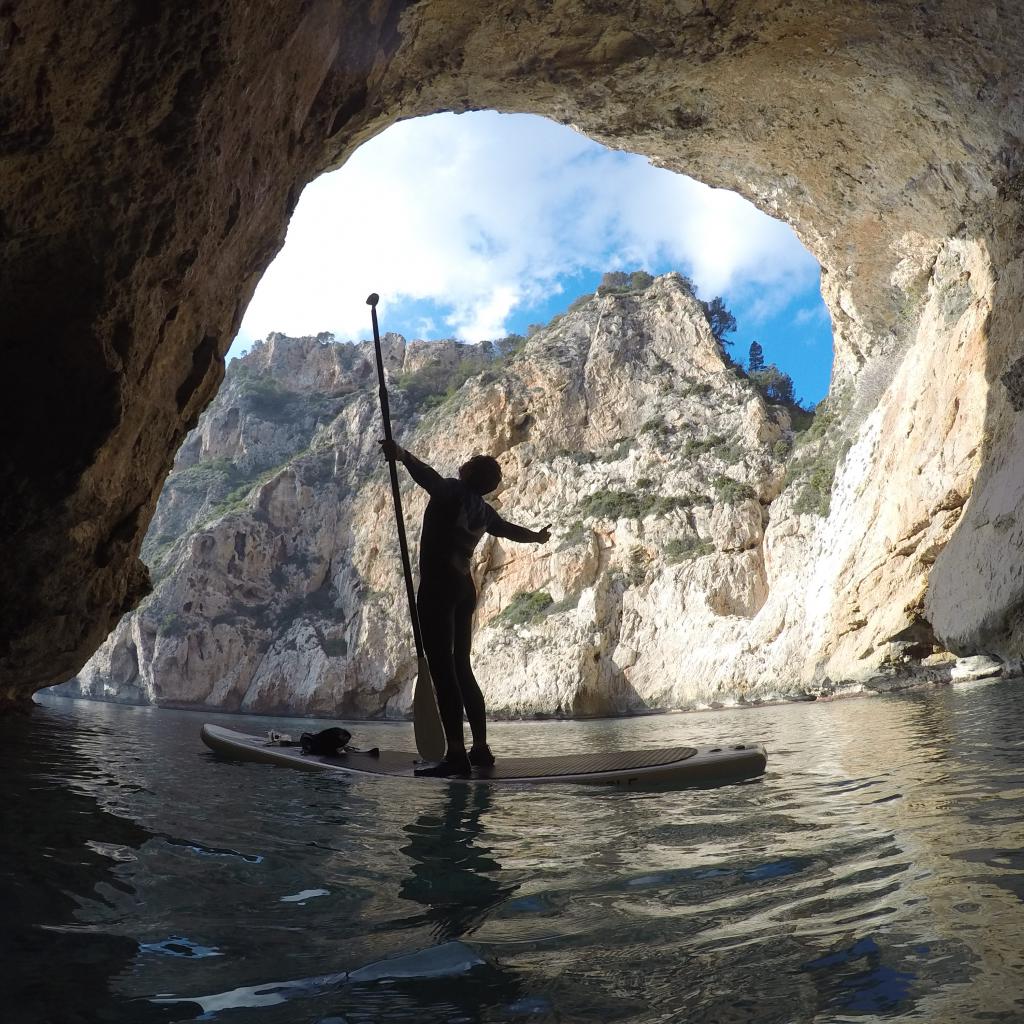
477 225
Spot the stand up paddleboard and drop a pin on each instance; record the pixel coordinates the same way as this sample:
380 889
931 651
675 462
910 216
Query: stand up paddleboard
676 765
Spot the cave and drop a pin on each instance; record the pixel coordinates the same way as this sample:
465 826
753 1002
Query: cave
151 159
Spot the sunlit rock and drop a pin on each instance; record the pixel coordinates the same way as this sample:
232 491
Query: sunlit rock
150 162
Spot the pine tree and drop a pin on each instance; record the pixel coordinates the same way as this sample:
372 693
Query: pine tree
720 320
613 281
774 385
756 361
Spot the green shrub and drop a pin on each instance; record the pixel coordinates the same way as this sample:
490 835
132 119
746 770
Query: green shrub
695 389
818 452
714 444
657 425
638 564
613 281
618 282
606 504
816 474
781 449
682 549
265 398
579 457
154 558
510 345
663 505
825 418
693 500
775 386
525 607
580 302
238 498
801 418
619 450
334 648
731 491
614 505
699 446
567 604
203 476
171 624
434 384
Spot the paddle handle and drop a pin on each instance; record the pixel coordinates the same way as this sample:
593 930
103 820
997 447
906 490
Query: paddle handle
403 544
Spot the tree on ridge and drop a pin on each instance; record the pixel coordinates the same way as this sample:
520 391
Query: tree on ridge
720 320
756 361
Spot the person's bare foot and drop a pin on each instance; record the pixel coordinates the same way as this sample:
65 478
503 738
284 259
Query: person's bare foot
481 756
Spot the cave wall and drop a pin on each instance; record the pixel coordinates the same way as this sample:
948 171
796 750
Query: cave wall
150 158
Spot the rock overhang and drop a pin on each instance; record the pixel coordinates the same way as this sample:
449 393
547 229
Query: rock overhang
151 161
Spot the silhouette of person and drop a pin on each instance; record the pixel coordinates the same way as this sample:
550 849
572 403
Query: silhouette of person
455 519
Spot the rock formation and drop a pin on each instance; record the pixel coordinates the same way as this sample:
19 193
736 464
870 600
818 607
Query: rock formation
150 158
273 548
683 571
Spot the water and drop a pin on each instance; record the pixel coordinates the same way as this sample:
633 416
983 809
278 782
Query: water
875 873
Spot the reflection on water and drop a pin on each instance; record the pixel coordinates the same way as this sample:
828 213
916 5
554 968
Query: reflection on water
453 874
875 873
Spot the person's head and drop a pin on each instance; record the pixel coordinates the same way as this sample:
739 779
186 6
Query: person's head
481 474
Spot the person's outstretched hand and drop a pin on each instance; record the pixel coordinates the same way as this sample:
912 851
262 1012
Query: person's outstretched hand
392 450
544 535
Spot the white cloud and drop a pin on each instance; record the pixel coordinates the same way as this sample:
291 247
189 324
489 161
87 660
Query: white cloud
811 315
484 213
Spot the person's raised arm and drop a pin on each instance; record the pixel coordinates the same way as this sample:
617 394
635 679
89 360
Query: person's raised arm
498 527
429 479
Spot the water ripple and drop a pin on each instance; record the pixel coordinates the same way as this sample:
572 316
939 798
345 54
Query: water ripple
875 873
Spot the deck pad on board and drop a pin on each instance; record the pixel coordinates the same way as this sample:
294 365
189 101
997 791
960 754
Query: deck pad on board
681 764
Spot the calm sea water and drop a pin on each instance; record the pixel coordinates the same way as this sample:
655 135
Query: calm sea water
875 873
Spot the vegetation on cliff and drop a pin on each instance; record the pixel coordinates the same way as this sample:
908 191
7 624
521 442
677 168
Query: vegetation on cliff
818 450
623 422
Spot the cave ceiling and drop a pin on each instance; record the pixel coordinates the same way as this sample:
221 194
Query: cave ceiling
150 157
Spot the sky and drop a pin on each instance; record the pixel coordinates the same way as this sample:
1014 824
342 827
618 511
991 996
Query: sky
476 225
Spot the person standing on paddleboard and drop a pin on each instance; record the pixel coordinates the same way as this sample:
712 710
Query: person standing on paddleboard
456 518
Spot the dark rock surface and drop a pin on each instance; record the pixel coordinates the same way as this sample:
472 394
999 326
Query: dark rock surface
150 157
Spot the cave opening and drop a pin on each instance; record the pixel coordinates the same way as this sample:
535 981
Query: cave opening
495 238
901 174
151 160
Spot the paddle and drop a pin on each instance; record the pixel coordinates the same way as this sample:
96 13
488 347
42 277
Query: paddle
430 742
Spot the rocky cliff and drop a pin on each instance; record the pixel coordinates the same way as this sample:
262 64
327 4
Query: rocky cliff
273 551
150 158
704 551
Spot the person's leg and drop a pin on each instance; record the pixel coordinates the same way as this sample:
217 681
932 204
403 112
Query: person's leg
472 697
436 613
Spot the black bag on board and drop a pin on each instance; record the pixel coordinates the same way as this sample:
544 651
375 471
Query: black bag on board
329 742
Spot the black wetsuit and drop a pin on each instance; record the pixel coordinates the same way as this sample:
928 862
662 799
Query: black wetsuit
455 520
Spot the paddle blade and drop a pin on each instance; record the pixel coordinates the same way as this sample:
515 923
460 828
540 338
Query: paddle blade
430 742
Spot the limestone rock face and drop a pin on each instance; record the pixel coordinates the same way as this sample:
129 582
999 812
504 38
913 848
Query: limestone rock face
150 160
687 567
273 546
